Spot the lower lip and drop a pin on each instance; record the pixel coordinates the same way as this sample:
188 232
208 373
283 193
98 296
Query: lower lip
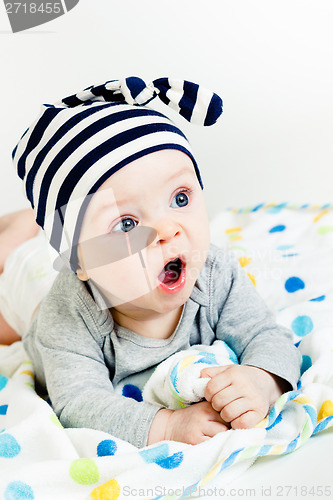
177 286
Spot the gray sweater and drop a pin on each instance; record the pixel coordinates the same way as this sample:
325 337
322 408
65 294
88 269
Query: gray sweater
90 365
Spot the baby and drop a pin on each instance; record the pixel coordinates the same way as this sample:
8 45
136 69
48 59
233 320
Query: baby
116 188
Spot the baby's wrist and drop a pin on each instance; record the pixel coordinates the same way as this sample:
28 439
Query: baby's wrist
159 425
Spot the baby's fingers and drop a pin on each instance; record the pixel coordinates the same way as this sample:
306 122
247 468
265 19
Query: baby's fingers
247 420
213 428
211 371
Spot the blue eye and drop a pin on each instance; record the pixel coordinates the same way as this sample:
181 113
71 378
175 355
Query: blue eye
125 225
181 200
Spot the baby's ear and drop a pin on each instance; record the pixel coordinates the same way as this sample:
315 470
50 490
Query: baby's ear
82 275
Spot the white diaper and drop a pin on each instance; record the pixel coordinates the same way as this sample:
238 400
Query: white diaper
27 277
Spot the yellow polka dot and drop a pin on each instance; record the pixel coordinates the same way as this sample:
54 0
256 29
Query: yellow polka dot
326 410
252 278
235 238
233 230
107 491
303 400
187 361
244 261
28 372
319 216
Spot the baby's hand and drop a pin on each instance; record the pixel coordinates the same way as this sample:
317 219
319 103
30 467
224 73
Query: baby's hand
194 424
191 425
242 394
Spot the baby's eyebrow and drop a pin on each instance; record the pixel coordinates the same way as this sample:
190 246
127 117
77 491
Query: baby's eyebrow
118 203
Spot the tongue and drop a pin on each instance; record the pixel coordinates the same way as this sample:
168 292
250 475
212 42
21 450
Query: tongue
168 275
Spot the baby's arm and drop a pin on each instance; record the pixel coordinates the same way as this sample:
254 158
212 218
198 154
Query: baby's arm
66 353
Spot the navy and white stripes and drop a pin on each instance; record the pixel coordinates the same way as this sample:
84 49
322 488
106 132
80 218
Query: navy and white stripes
77 143
197 104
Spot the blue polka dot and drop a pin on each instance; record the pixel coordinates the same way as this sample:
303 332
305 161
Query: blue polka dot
302 325
290 255
160 456
284 247
306 363
3 382
17 490
150 455
206 357
318 299
277 229
277 208
106 448
257 207
132 391
232 355
294 284
171 462
3 409
9 447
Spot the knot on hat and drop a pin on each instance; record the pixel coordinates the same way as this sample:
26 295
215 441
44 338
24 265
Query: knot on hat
136 91
195 103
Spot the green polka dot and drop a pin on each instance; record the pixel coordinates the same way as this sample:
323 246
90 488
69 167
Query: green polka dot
54 419
84 471
325 229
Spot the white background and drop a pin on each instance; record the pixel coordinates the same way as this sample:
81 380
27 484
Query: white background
271 62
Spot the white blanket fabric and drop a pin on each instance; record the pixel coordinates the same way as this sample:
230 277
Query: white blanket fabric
288 253
177 382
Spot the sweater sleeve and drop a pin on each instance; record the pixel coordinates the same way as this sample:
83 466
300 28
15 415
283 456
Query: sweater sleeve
69 361
245 323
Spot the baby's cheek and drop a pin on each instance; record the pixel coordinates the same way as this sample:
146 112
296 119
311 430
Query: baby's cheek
123 280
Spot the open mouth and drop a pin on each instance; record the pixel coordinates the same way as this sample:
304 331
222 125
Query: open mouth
171 272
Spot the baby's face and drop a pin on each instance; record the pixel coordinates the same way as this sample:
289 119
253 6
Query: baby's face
147 214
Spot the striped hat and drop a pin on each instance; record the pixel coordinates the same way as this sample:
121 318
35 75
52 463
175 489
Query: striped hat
77 143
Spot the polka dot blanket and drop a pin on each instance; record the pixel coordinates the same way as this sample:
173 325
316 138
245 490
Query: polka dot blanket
287 251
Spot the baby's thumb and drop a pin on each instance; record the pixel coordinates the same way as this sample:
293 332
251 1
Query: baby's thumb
211 371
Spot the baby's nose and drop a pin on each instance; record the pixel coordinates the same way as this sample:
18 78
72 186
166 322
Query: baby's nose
166 229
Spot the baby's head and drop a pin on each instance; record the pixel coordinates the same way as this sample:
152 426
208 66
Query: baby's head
117 190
